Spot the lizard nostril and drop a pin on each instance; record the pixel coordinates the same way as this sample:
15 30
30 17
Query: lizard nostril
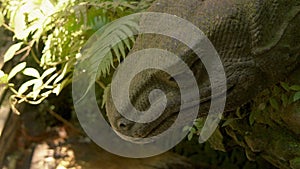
124 124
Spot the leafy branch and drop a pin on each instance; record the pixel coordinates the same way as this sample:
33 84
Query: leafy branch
52 33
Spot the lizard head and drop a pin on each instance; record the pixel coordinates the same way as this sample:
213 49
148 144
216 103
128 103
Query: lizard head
149 80
140 88
251 60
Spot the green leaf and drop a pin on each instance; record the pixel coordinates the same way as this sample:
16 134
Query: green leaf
295 87
48 7
97 53
216 141
117 52
20 22
274 103
199 123
291 99
51 79
1 73
3 77
295 162
31 72
57 89
284 99
37 88
261 106
16 70
252 118
62 75
24 87
190 136
60 86
48 72
228 121
1 19
285 86
104 66
127 43
276 90
105 95
296 96
186 128
11 51
122 49
193 130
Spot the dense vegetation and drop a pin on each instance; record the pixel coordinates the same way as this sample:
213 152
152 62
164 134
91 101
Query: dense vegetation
48 37
52 33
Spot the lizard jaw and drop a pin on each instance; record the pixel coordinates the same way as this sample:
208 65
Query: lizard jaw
126 128
150 136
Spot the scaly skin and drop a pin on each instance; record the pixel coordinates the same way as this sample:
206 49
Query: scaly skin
258 42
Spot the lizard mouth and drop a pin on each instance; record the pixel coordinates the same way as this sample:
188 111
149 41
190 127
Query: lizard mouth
164 125
137 131
161 124
151 134
154 128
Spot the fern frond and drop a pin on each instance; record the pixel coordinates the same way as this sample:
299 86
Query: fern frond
109 43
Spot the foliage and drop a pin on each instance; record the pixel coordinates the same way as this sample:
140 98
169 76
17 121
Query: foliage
206 157
52 33
266 127
274 99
